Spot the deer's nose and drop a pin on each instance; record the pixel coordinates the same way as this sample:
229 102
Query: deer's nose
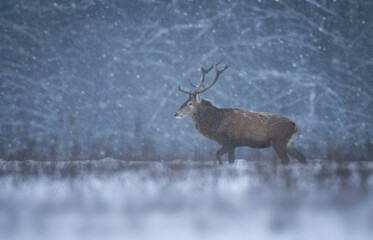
177 115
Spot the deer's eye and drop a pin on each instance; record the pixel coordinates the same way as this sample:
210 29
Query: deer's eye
190 104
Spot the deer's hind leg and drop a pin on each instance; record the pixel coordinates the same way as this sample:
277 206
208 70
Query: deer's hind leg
290 148
280 148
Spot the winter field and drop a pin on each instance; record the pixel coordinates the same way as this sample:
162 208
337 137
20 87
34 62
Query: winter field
94 79
115 199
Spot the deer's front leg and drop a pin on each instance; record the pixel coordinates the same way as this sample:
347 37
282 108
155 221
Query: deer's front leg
224 150
220 152
231 156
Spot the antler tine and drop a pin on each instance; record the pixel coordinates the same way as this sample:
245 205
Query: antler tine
198 87
204 72
210 68
184 91
218 72
191 84
188 92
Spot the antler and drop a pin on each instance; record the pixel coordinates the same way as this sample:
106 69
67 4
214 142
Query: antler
200 88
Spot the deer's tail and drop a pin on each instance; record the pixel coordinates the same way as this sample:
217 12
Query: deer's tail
295 126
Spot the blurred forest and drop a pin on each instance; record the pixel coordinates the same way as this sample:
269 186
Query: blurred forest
90 79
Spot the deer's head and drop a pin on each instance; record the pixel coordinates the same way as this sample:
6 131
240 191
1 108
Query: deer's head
190 106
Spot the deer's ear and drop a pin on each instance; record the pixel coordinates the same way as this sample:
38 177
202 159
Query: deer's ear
198 98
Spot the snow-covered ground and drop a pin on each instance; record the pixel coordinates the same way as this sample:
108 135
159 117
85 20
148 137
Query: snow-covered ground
114 199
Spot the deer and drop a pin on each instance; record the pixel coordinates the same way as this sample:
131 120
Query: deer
233 127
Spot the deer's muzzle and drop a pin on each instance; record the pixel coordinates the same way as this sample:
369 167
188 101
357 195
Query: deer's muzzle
178 115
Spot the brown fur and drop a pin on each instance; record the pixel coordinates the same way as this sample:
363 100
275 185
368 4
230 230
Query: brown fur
236 128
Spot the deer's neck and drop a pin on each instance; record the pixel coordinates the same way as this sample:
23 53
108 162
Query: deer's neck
206 119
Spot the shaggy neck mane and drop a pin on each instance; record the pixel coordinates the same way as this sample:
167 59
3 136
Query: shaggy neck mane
206 119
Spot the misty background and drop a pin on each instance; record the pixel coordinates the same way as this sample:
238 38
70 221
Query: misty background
86 84
93 79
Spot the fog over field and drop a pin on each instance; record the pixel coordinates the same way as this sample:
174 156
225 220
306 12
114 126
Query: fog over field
90 147
116 199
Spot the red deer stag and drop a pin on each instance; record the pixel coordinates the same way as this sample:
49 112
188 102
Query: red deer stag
237 128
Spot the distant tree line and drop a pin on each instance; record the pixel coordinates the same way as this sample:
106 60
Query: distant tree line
94 79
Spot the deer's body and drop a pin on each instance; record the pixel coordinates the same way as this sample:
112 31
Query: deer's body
233 128
240 128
